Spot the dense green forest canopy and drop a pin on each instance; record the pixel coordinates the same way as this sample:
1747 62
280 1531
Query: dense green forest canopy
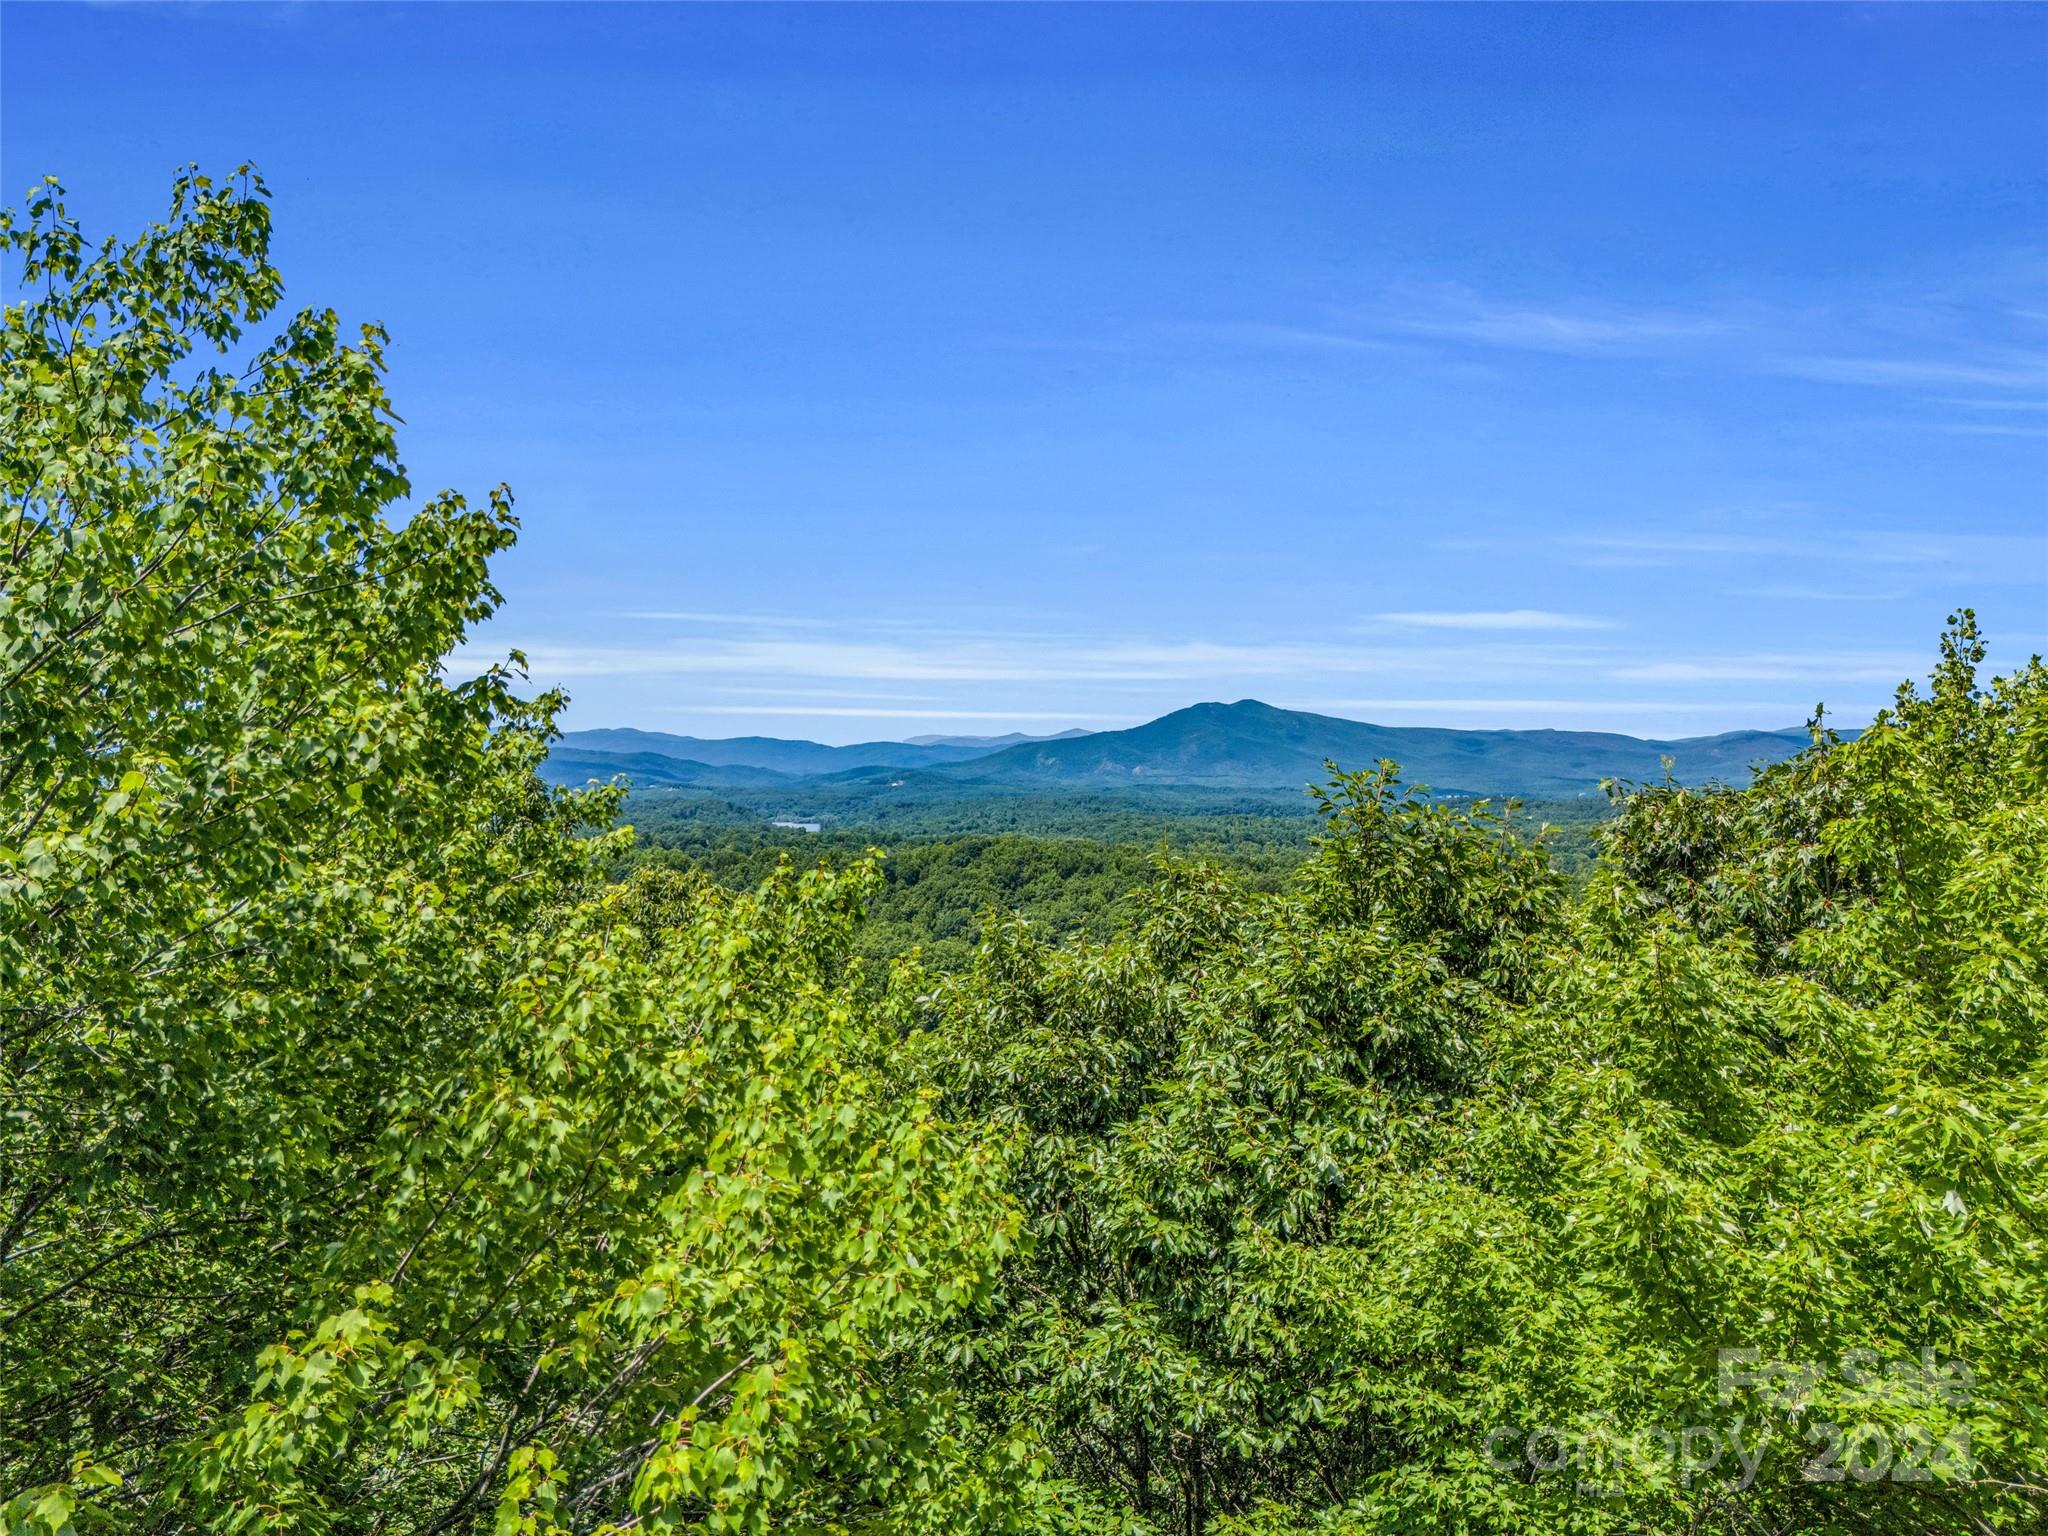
1066 868
388 1147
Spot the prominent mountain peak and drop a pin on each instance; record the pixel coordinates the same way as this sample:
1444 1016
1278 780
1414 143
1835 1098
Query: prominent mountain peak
1215 709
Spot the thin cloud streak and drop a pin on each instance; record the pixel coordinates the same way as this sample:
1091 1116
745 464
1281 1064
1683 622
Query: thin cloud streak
1177 672
1584 330
1772 667
1981 429
1545 706
1847 347
1915 373
1971 404
1512 618
1989 556
1307 337
756 690
741 620
1803 594
961 661
848 712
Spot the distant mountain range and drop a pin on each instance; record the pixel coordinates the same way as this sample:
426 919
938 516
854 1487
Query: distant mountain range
988 743
1246 745
788 758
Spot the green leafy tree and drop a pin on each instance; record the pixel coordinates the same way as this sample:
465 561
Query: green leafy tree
367 1162
1783 1095
1209 1106
372 1161
1417 1199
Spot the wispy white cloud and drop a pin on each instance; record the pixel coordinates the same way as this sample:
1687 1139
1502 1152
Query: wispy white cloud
738 620
760 690
849 712
2021 372
1988 557
1667 716
1778 667
1510 618
1978 403
1550 667
1885 346
1307 337
1500 708
1579 329
1628 551
1796 592
1982 428
1191 668
947 657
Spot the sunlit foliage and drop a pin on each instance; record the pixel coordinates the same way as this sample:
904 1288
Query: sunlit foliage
382 1151
366 1162
1420 1199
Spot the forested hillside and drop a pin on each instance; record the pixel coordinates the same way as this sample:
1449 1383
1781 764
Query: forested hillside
387 1148
1067 864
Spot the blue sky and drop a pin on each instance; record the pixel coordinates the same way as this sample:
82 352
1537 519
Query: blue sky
869 372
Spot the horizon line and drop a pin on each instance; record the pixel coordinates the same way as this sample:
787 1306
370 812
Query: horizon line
1024 720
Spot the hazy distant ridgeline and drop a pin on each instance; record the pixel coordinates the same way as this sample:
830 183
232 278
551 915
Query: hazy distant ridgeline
793 759
1246 745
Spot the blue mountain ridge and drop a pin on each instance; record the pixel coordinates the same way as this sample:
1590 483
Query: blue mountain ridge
1246 745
